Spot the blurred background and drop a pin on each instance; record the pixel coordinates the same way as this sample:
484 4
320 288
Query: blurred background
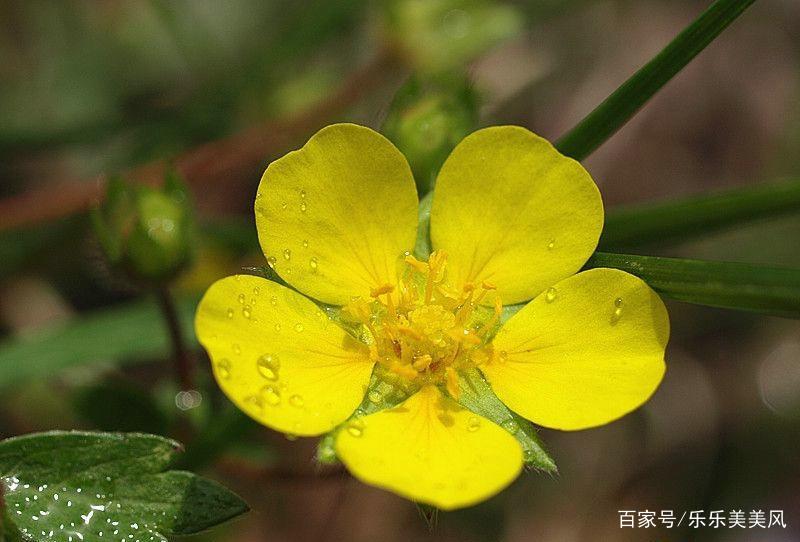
206 93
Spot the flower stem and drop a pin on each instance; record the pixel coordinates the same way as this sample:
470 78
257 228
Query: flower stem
184 364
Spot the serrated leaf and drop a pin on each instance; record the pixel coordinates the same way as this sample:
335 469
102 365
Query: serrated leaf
477 395
94 487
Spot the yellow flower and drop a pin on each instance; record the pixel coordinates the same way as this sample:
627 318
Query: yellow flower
512 220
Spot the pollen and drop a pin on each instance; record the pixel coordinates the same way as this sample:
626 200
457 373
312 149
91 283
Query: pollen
424 330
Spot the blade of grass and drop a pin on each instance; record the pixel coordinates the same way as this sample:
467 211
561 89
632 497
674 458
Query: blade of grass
746 287
624 102
126 334
672 221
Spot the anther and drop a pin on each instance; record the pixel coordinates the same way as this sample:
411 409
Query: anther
380 290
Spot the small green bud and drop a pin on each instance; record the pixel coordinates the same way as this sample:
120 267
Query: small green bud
427 120
442 35
146 232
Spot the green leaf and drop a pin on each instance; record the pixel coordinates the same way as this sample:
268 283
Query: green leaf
677 220
129 333
477 395
624 102
747 287
92 487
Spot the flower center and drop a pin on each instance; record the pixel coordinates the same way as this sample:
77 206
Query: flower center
423 330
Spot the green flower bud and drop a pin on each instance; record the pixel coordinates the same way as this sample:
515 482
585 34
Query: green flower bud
442 35
427 120
145 232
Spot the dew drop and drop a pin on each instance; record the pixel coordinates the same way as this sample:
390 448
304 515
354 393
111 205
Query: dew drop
237 349
375 396
313 264
241 299
271 261
271 395
256 291
247 311
617 309
298 327
296 401
287 254
550 295
277 327
303 207
273 301
511 426
305 243
473 424
230 313
268 366
356 428
551 244
303 194
284 205
224 369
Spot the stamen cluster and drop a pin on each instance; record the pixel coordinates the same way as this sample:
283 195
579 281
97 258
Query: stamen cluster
421 330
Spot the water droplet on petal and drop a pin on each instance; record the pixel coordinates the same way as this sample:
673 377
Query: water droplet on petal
268 366
241 299
230 313
617 309
303 194
298 327
473 424
277 327
271 395
296 401
287 254
247 311
256 291
313 264
303 207
375 396
271 261
305 243
284 205
224 369
550 295
356 428
237 349
273 301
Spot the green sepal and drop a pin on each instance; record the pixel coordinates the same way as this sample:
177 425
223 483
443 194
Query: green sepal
422 248
384 391
476 395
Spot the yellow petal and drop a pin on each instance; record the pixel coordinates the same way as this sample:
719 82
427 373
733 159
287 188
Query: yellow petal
334 216
584 353
511 210
431 450
278 358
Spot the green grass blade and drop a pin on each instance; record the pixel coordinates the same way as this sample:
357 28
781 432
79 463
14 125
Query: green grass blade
670 221
620 106
129 333
747 287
